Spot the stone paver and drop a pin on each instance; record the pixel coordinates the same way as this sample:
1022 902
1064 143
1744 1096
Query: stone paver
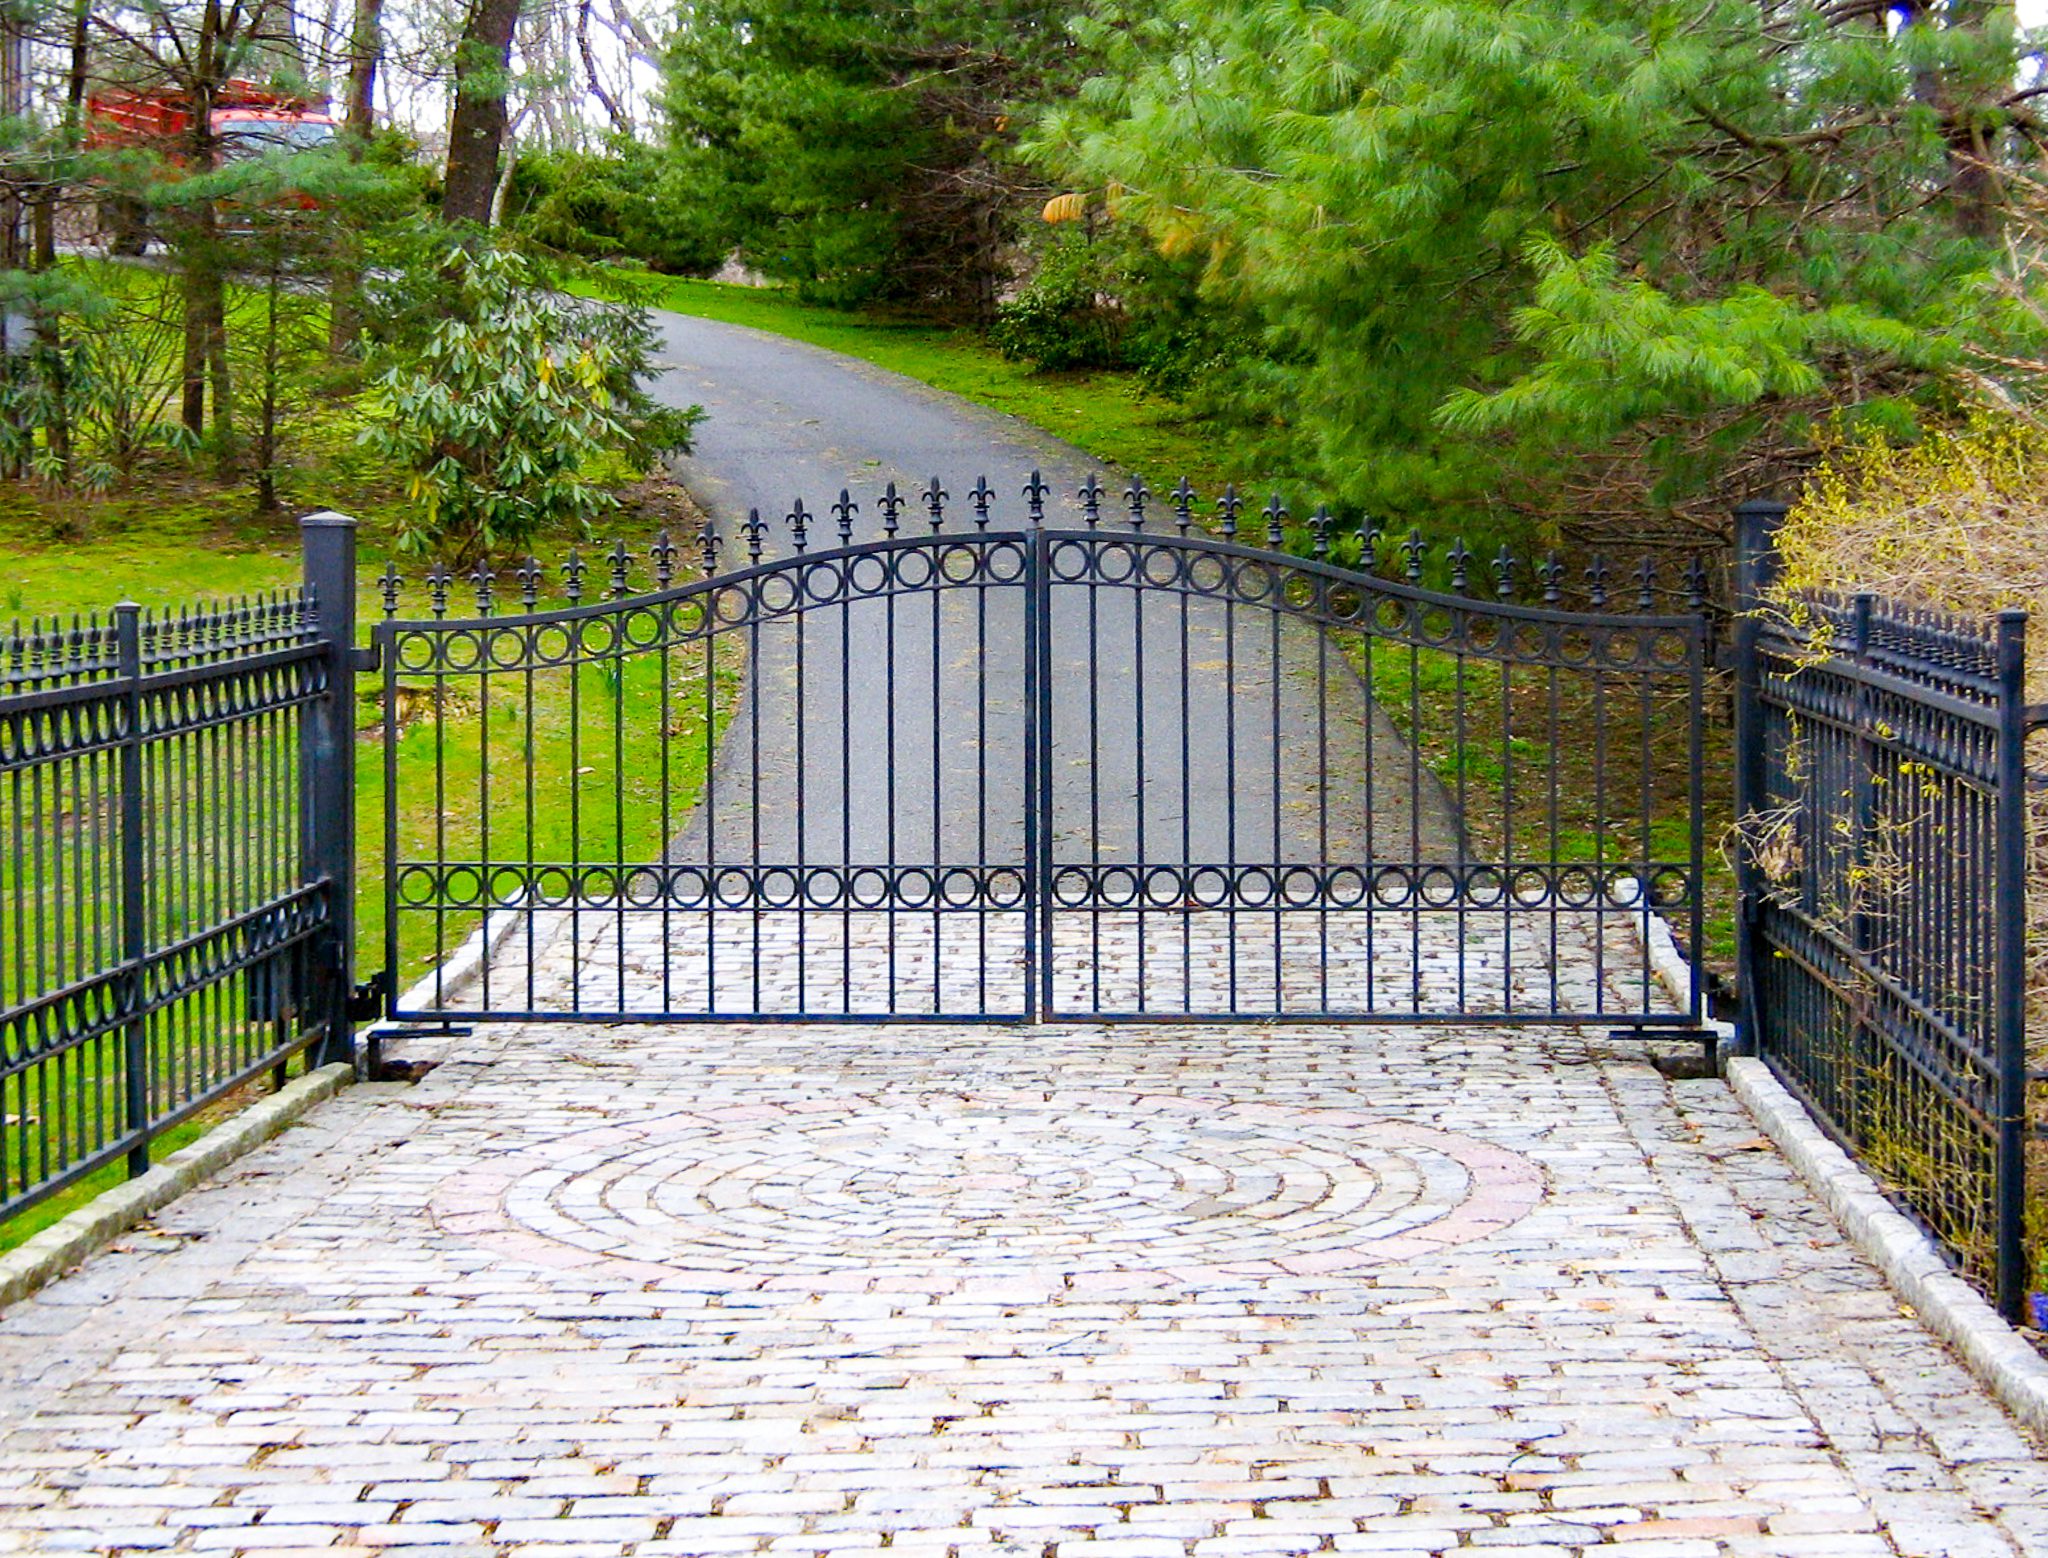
1069 1291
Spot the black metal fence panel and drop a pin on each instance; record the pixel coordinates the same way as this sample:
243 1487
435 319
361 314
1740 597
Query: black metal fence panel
1127 771
1882 805
162 937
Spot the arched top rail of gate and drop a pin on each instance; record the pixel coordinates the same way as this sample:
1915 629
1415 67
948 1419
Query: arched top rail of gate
1185 561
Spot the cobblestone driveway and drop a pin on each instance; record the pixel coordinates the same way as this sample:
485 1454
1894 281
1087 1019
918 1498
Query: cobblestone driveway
1064 1292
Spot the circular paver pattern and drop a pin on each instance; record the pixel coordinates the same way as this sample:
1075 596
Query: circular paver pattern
991 1186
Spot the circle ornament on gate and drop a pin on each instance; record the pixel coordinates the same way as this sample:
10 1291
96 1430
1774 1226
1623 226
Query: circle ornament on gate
984 1185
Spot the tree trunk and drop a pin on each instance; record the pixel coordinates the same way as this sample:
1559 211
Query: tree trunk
50 339
476 128
366 52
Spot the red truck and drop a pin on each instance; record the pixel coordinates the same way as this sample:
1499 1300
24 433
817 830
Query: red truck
247 121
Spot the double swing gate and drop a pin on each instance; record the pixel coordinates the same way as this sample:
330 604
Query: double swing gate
1126 770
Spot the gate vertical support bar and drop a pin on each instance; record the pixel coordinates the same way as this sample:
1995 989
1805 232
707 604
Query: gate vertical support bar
1696 805
1756 565
1038 959
134 919
2010 896
327 775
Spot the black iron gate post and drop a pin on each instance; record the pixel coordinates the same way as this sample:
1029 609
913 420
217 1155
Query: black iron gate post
2010 896
1756 562
1038 958
134 924
327 776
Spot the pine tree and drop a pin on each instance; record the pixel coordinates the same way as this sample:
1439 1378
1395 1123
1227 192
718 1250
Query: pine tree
1608 256
859 151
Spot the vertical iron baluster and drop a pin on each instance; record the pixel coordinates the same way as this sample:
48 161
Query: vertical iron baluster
843 512
572 664
1135 496
1233 885
621 563
891 503
935 505
134 921
529 576
1275 521
798 580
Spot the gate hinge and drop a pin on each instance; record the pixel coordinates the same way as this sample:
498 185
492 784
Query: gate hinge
369 659
366 1001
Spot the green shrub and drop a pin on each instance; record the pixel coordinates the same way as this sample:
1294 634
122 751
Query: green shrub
500 414
1069 316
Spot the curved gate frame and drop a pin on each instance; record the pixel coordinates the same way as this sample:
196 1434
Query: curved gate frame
1035 562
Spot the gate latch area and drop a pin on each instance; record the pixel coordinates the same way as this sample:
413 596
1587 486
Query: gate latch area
366 1001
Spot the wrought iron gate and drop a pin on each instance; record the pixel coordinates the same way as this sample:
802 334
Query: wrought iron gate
1128 772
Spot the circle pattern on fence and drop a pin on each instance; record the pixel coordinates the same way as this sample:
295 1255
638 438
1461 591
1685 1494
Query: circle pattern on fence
991 1186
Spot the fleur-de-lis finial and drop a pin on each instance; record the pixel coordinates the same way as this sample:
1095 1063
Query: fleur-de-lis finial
481 577
982 495
663 555
1696 583
1646 583
1227 508
389 583
437 588
1370 535
1319 526
1183 506
1503 566
892 509
842 515
708 543
1412 549
756 531
799 522
621 568
935 505
1091 501
572 576
1135 497
1550 574
528 575
1276 523
1597 574
1035 494
1460 558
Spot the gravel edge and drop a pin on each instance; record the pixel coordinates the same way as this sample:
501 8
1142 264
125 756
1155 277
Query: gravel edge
46 1256
2009 1367
1947 1305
